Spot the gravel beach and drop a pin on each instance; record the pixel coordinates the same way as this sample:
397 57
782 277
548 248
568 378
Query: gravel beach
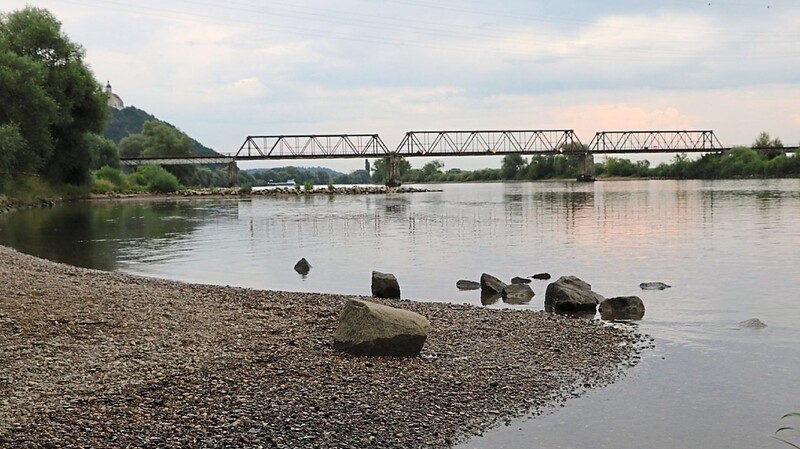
95 359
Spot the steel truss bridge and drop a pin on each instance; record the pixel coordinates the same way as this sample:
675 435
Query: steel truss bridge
454 143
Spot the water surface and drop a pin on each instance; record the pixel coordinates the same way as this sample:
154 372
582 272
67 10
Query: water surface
728 248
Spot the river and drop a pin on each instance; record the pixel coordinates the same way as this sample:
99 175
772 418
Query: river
730 250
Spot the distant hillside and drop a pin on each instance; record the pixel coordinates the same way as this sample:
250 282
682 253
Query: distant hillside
130 120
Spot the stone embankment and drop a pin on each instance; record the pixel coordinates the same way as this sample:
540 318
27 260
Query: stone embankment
95 359
284 191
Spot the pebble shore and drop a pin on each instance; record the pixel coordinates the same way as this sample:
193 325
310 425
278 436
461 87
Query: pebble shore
94 359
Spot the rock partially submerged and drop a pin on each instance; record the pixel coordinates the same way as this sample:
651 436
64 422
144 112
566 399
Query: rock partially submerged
366 328
491 285
653 286
752 323
467 285
542 276
517 294
385 285
519 280
570 293
622 308
302 266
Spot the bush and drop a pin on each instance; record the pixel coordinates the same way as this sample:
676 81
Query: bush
155 179
246 188
308 185
112 175
103 186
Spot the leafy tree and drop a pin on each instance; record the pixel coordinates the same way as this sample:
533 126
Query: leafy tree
104 152
161 140
11 144
512 163
50 82
132 146
431 168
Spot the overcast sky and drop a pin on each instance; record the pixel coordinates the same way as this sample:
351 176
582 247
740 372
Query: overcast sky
223 70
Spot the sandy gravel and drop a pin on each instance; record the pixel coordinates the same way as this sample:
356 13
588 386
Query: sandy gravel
94 359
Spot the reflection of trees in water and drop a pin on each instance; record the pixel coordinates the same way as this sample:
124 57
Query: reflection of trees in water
92 234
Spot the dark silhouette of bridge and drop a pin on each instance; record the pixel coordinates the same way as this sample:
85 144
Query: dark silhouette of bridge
453 143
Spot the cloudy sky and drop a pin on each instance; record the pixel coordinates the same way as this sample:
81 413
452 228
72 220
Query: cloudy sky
223 70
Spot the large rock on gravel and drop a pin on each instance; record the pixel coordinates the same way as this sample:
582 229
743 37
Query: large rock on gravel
622 308
491 285
570 293
517 294
384 285
366 328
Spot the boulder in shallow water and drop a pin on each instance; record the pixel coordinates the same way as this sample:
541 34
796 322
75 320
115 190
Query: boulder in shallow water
366 328
542 276
467 285
622 308
517 294
752 323
653 286
491 285
385 285
519 280
302 266
570 293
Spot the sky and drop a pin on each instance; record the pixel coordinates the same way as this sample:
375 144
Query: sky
221 71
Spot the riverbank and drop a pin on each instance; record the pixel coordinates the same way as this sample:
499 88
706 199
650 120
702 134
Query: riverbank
98 359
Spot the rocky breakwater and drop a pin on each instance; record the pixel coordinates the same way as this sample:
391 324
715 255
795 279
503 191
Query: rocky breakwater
296 191
95 359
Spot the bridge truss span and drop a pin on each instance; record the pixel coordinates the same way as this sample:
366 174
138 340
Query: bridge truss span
322 146
606 142
481 143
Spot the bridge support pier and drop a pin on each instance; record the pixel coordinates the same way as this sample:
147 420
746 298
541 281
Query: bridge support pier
233 174
392 171
585 167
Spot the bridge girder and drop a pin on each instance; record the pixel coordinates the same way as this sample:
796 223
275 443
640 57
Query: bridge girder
486 142
605 142
313 146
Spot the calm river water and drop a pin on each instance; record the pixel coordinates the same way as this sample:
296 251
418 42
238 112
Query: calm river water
730 249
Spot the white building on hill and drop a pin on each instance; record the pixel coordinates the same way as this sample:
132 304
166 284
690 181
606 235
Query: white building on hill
114 101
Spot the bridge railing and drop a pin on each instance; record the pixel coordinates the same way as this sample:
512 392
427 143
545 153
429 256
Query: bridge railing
313 146
465 143
654 142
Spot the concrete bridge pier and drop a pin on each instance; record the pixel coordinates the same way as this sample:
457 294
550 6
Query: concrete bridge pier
585 167
392 171
233 174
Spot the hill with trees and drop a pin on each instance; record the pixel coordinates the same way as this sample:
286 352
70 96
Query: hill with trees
130 120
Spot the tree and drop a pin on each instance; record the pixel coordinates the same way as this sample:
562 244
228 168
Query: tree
104 153
160 139
767 145
511 165
50 82
11 144
432 168
132 146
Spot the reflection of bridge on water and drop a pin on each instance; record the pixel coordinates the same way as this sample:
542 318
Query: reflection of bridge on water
453 143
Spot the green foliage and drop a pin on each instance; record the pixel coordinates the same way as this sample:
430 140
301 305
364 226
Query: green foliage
246 188
112 175
308 185
159 139
130 121
155 179
56 100
511 165
103 152
11 145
